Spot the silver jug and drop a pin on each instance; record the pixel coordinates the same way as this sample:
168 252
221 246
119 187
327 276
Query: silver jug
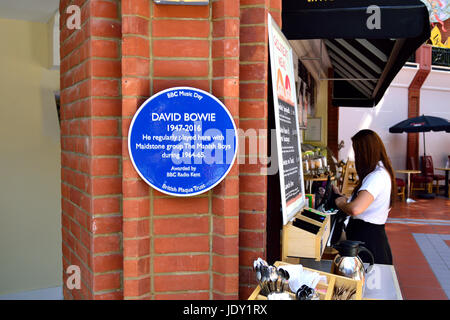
347 263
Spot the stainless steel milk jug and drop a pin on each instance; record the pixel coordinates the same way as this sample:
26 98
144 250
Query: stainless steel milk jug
347 263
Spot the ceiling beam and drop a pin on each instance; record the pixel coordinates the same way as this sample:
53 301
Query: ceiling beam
359 55
369 46
366 92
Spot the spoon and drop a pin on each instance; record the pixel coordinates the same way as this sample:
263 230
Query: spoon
258 277
284 276
273 278
266 279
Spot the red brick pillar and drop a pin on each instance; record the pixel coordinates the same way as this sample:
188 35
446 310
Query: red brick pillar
131 241
180 227
91 149
225 198
179 248
253 113
423 58
136 193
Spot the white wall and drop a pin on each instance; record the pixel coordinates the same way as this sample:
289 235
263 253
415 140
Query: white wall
393 108
435 101
30 196
389 111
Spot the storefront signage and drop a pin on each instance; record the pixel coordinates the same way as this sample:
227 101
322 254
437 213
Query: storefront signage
182 141
183 2
286 122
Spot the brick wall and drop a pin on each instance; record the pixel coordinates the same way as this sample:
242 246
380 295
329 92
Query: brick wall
131 241
225 199
178 248
91 149
137 195
253 109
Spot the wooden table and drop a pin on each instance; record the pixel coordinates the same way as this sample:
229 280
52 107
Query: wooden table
408 185
309 180
446 178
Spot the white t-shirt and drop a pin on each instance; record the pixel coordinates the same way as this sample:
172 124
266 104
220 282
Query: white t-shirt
378 184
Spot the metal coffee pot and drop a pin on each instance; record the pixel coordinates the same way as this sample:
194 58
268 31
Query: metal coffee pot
347 263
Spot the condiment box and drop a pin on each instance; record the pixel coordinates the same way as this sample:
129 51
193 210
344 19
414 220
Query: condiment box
306 236
311 198
325 291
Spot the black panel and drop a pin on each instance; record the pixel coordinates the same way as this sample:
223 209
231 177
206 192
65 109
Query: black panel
407 21
348 19
274 213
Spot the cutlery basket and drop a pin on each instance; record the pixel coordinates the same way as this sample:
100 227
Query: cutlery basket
325 291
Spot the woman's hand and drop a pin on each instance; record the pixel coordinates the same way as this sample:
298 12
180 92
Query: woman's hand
341 201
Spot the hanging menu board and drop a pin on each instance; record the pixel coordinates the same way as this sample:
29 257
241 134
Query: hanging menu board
286 123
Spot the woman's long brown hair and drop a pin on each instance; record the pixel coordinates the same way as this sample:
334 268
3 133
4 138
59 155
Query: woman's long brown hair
369 150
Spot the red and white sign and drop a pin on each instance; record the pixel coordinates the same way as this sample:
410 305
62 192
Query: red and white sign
286 123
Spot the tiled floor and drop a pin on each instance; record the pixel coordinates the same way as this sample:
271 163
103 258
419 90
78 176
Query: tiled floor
419 235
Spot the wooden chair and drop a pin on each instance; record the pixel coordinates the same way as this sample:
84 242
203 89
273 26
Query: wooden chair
340 172
401 188
420 179
428 170
350 179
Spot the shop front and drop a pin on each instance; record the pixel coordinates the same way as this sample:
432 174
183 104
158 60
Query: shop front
358 60
193 135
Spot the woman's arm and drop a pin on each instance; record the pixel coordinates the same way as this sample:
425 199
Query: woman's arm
357 206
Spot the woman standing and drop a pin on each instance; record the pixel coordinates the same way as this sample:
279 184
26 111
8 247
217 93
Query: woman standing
373 196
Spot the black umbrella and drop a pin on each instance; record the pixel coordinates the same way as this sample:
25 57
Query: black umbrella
421 124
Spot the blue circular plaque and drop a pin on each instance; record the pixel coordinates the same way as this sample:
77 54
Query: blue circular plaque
182 141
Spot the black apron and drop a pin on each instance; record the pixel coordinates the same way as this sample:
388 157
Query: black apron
375 239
